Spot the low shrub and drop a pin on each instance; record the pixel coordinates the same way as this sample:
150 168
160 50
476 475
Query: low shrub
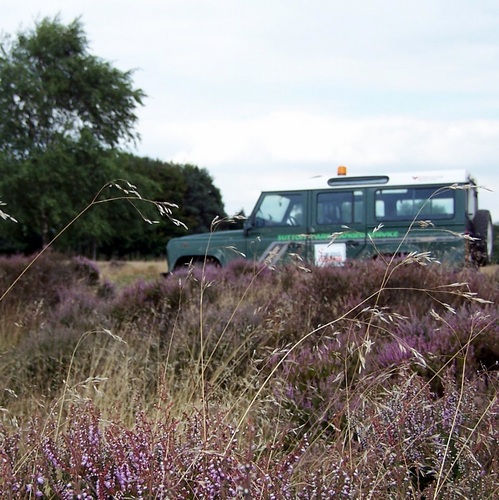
362 381
49 273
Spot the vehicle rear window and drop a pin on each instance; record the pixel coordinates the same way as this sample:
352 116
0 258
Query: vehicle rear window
414 203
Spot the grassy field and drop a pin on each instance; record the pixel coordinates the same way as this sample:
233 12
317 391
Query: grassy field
126 272
369 381
490 270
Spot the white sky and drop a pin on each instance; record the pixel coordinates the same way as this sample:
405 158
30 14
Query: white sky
260 91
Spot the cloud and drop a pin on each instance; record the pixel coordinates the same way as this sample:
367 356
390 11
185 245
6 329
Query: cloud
247 156
297 137
261 91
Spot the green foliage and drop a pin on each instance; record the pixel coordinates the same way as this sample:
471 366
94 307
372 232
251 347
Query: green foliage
53 89
202 200
63 113
188 186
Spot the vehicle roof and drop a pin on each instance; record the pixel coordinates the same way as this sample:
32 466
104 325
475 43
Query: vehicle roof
445 177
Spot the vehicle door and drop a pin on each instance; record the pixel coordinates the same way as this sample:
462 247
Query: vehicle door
338 228
277 229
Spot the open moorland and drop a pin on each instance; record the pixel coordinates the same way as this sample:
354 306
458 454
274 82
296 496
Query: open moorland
376 380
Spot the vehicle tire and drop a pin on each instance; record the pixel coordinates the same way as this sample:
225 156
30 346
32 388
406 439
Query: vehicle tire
482 250
198 262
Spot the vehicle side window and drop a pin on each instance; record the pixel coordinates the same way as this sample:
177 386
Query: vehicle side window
280 210
344 207
411 203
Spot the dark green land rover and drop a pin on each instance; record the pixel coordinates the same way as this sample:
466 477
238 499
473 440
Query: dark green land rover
343 217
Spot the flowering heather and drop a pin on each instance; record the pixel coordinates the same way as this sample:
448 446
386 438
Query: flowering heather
467 336
247 382
97 458
445 445
49 273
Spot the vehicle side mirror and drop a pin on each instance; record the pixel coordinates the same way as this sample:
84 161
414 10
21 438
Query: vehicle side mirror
248 224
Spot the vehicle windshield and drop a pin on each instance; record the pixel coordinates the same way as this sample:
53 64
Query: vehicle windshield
280 210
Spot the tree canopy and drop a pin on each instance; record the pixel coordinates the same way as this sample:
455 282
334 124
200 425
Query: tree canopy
54 91
63 115
189 187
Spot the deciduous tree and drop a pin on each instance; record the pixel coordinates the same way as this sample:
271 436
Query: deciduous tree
64 113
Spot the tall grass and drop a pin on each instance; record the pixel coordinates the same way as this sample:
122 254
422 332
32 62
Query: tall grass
376 380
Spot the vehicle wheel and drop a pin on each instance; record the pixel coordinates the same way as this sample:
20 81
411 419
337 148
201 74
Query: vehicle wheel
482 250
199 263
